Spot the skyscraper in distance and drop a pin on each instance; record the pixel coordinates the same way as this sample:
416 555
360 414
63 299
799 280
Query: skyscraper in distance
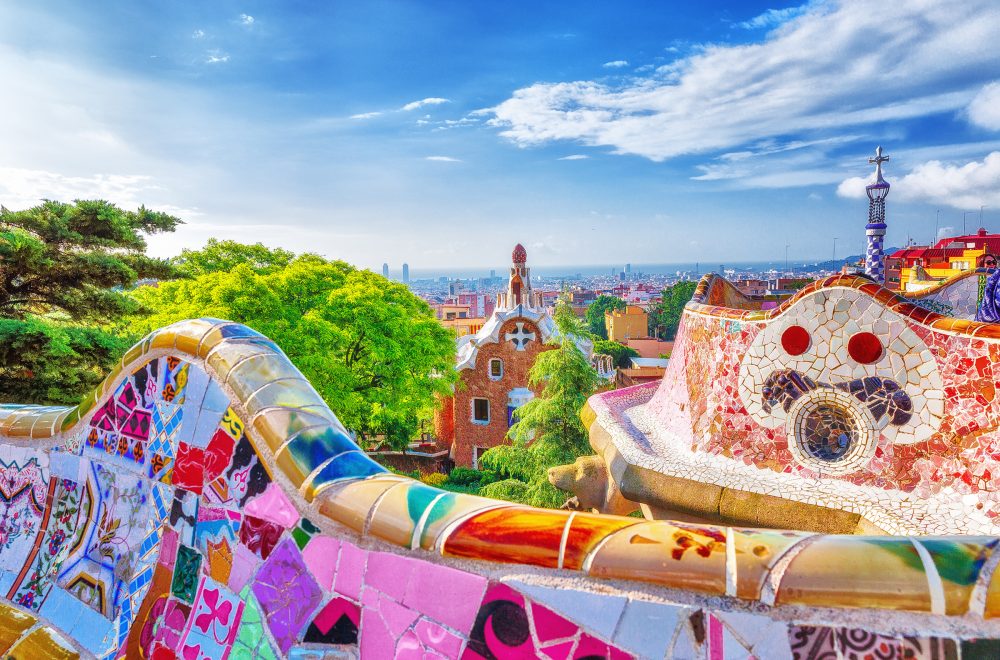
385 271
406 273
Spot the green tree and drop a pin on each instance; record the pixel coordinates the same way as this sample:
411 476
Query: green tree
595 314
76 259
665 318
54 363
372 349
218 256
620 352
548 430
63 271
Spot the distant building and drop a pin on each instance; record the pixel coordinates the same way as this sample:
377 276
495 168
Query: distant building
406 273
752 287
624 324
464 325
919 266
385 270
582 297
493 366
650 347
642 370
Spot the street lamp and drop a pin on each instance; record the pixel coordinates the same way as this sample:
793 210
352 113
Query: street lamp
965 214
786 259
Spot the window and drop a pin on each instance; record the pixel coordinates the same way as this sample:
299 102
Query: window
481 411
496 369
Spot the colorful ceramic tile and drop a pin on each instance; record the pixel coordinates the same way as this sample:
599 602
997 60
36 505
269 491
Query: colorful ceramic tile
213 623
273 505
185 582
336 623
287 593
885 573
679 556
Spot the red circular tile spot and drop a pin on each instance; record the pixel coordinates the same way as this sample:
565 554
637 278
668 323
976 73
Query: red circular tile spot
865 348
795 340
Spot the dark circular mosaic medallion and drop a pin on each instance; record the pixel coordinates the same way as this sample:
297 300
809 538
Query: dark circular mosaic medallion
827 431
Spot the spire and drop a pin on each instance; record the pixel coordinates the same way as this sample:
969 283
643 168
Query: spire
879 189
519 286
875 229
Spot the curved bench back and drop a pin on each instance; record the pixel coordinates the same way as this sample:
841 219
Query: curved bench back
205 502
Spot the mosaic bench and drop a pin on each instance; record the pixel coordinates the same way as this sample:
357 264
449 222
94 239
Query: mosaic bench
845 399
204 502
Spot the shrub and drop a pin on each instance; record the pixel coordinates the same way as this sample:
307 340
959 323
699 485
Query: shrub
435 479
463 476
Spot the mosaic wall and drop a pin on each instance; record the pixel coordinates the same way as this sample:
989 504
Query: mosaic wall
205 503
845 396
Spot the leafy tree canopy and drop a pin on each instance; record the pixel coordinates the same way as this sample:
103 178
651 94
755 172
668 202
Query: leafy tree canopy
371 348
53 363
219 256
75 258
620 352
595 314
665 318
548 430
63 268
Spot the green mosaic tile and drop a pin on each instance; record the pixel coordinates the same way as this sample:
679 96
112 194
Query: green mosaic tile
185 581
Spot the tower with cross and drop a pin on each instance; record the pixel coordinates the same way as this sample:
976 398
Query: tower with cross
875 229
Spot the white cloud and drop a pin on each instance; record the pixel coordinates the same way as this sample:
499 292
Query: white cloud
773 17
616 64
965 186
413 105
443 159
216 57
23 188
816 197
246 19
854 187
366 115
836 67
198 34
574 157
984 110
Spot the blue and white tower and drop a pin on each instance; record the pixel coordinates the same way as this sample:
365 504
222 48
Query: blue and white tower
875 229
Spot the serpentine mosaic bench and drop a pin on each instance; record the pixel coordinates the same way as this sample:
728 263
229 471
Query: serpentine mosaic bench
205 503
845 399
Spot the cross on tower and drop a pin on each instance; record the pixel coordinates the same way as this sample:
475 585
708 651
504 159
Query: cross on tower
520 337
877 162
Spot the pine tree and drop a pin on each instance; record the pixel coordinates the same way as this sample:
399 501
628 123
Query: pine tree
64 270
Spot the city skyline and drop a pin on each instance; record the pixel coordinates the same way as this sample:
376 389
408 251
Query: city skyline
441 134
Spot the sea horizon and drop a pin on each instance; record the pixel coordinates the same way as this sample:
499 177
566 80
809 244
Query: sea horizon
592 270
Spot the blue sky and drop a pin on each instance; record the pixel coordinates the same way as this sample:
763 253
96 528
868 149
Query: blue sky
441 133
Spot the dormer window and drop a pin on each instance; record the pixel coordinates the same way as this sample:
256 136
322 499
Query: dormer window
496 369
